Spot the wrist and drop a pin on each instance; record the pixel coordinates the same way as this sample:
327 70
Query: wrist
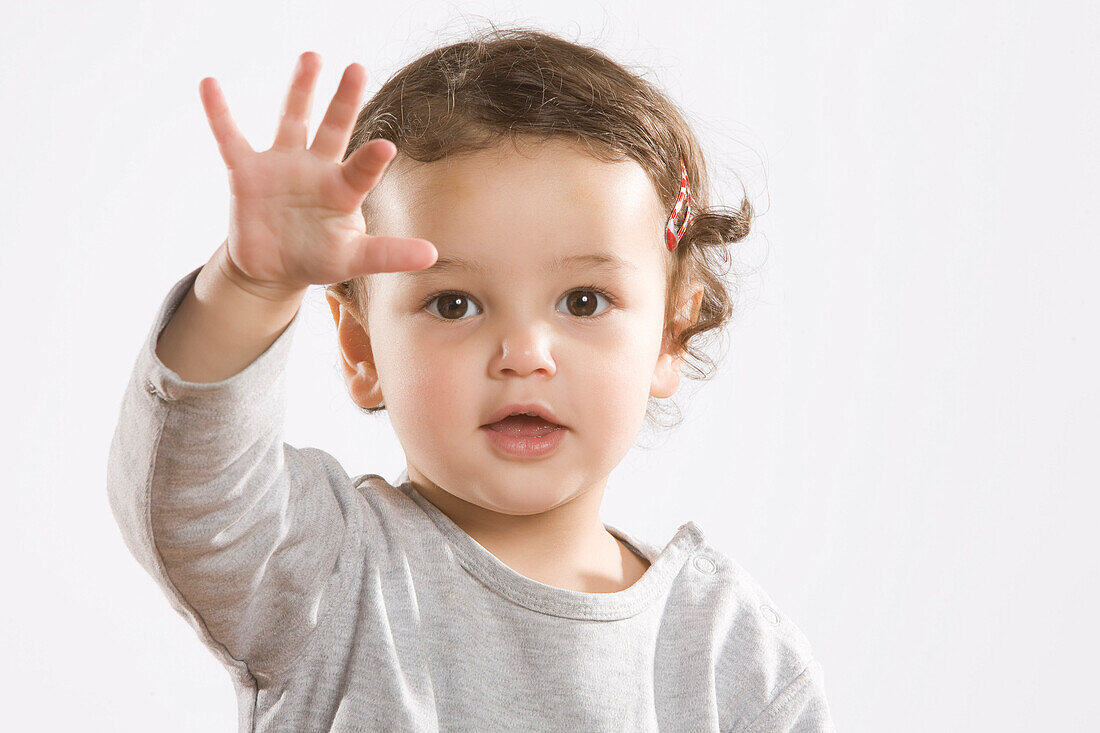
228 271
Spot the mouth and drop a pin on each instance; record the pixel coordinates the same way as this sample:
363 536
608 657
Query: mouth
523 426
527 416
524 437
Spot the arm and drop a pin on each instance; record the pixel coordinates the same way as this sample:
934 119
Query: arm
240 530
223 324
801 707
243 532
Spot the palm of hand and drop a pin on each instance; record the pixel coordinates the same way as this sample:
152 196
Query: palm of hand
295 213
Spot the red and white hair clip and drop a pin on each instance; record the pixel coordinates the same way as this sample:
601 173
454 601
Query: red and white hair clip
683 201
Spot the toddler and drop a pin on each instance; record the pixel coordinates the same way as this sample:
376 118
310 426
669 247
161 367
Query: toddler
544 253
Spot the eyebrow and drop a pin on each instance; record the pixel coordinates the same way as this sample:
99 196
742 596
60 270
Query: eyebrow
609 263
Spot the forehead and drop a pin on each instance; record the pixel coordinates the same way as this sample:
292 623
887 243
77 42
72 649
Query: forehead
540 208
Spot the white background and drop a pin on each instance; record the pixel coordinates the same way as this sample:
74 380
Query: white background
900 443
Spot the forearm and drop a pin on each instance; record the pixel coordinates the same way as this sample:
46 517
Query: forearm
222 325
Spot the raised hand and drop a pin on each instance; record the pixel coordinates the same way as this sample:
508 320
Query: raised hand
294 217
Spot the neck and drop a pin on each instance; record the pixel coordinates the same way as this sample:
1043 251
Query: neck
566 546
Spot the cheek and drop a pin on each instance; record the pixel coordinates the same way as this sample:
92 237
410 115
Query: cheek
430 387
610 379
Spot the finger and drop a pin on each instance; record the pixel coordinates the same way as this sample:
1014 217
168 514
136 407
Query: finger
294 118
364 168
335 130
231 143
393 254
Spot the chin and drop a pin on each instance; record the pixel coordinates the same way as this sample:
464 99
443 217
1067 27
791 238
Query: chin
516 501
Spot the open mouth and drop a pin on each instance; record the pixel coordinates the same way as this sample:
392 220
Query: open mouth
524 426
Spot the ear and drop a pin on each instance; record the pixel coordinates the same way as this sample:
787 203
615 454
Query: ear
356 355
666 374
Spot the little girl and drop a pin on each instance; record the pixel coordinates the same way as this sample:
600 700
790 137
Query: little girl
545 254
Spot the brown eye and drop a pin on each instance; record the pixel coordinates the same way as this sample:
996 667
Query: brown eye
452 306
583 303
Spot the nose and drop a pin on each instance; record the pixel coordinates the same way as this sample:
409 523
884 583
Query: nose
523 349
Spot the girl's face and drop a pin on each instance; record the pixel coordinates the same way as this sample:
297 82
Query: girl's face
505 316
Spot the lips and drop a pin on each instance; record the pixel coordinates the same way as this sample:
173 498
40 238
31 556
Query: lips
523 426
538 410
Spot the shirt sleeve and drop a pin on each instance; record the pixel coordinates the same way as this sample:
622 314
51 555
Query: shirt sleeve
800 708
243 532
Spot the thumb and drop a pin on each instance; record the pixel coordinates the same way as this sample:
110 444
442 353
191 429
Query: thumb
393 254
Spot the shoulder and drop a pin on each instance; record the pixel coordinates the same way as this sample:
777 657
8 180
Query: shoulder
748 620
762 659
392 515
323 468
371 505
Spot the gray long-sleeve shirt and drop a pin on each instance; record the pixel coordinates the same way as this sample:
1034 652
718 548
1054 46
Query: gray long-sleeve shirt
350 604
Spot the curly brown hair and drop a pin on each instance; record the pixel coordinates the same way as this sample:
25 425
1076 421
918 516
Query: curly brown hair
504 84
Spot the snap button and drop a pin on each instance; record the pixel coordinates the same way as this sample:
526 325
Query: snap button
704 564
769 613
